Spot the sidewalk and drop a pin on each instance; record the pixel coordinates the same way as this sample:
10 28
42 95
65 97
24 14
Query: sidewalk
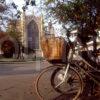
4 60
12 60
25 60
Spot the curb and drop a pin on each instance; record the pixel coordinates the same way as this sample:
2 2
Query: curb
15 62
18 62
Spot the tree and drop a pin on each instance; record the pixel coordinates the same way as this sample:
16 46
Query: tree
2 34
7 15
83 15
14 33
7 12
10 11
8 48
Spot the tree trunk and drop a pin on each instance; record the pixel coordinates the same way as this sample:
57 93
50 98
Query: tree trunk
19 50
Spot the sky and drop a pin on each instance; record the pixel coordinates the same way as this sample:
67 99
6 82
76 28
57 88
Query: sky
30 10
20 3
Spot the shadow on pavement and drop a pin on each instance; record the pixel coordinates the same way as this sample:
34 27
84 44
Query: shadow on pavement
64 97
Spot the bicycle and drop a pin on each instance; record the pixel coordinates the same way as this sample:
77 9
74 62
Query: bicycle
66 79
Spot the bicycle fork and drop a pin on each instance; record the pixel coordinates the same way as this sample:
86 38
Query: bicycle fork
67 68
64 77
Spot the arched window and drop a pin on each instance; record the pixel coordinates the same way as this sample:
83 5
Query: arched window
33 35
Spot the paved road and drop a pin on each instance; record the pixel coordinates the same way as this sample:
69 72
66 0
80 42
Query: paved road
20 69
17 81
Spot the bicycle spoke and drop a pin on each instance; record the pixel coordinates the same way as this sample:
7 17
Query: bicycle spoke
59 84
51 83
71 85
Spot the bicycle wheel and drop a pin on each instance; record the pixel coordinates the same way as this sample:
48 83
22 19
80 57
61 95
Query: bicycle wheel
72 87
43 84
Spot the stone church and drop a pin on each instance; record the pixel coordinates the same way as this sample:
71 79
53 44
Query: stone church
30 28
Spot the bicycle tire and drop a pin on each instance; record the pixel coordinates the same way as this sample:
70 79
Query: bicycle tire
80 90
41 91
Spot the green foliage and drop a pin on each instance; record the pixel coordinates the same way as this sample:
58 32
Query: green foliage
15 35
83 14
13 31
49 1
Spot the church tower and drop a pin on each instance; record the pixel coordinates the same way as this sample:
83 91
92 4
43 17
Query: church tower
23 32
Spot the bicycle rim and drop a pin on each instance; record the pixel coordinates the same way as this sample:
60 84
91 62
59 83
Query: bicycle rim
43 84
66 87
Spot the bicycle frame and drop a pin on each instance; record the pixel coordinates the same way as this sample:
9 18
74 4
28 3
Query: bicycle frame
83 70
66 70
70 58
